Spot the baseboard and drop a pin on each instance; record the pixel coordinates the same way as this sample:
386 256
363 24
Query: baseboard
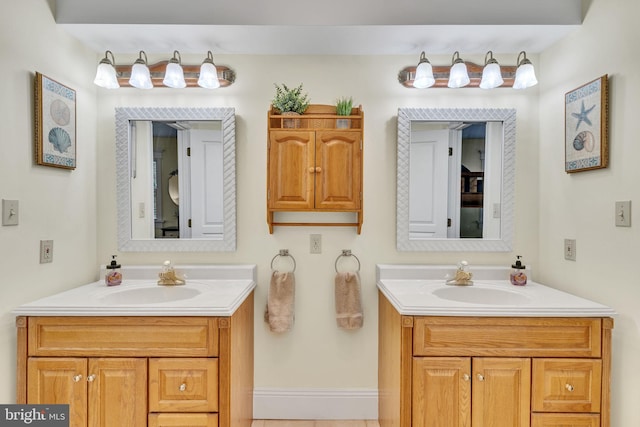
315 404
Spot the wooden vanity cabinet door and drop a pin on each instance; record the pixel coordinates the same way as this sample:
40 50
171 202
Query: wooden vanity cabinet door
60 380
501 392
183 420
441 392
565 420
291 170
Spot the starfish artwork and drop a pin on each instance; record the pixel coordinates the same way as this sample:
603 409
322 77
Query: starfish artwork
583 115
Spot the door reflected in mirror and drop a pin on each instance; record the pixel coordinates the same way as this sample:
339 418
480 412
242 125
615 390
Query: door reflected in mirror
455 179
176 179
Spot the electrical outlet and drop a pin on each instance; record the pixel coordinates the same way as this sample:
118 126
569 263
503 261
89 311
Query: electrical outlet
315 243
623 214
46 251
570 249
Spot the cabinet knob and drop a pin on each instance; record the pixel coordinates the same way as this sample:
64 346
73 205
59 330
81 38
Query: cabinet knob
91 377
480 377
312 169
318 169
466 377
182 387
568 387
77 378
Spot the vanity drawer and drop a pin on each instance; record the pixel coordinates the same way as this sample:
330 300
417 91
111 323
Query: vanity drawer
183 420
565 420
510 337
566 385
183 385
123 336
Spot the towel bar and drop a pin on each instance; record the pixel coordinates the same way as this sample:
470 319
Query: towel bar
346 253
284 253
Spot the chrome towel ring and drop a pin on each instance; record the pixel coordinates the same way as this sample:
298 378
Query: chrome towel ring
284 253
346 253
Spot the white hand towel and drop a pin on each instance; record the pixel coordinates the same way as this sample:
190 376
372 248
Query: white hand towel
348 301
279 313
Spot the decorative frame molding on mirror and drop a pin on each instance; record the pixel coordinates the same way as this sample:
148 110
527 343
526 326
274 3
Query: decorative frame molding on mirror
504 243
123 117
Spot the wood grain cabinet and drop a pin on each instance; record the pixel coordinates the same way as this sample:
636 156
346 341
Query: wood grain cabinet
140 371
493 371
313 166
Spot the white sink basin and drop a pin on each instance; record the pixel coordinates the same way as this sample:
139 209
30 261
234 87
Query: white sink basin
151 295
481 295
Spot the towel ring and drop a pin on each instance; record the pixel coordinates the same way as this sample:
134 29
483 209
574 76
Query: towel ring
284 253
346 253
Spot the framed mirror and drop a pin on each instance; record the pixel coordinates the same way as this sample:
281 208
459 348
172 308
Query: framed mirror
455 179
176 179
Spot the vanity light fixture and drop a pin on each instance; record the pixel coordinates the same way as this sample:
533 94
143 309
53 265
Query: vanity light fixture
106 72
174 75
424 73
208 73
140 75
458 76
525 74
491 75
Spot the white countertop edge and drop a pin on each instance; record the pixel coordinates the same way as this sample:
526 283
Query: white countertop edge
503 311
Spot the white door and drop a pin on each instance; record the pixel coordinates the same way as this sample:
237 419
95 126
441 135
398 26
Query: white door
207 213
428 167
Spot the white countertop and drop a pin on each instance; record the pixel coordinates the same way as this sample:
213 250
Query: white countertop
211 290
421 291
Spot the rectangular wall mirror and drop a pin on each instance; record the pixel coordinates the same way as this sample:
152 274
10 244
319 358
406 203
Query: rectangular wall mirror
455 179
176 179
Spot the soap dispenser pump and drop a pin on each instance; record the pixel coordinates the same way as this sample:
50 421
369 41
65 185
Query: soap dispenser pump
113 276
518 274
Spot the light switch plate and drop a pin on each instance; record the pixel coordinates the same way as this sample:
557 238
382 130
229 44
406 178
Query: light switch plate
46 251
10 212
623 214
315 243
570 249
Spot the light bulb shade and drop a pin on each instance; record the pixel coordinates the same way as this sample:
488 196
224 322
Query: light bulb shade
458 76
106 73
424 76
208 76
525 76
174 76
491 76
140 76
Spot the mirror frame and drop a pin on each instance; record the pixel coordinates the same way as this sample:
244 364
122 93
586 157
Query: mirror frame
504 115
123 171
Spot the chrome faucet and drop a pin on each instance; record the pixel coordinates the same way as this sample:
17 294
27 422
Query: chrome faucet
168 276
462 276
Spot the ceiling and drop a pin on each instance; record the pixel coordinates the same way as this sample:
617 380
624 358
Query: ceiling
330 27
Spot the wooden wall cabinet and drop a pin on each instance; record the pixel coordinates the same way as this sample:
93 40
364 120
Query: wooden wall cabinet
314 166
140 371
493 372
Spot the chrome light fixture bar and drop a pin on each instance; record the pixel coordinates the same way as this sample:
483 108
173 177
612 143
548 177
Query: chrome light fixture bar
492 73
204 75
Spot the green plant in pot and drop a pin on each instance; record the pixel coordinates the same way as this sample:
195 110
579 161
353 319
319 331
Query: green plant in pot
290 102
343 108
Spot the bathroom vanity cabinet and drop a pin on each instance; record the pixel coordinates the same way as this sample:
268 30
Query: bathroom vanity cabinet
138 371
313 165
460 371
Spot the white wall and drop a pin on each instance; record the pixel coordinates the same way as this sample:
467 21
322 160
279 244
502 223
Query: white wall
55 204
581 205
315 354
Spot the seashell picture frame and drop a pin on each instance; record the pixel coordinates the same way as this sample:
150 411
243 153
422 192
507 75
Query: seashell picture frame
586 144
55 123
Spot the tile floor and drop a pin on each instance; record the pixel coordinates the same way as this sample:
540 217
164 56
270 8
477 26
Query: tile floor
312 423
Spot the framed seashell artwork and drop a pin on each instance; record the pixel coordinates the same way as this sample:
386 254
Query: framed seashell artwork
586 126
55 123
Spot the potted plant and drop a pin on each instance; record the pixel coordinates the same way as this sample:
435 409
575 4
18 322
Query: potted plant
343 108
290 102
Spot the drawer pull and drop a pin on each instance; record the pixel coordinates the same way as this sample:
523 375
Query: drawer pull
77 378
568 387
466 377
91 377
182 387
480 377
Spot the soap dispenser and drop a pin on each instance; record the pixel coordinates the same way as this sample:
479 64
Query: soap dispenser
113 276
518 274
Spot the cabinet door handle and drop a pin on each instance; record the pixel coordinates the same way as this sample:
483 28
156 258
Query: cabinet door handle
312 169
318 169
568 387
77 378
466 377
91 377
480 377
182 387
